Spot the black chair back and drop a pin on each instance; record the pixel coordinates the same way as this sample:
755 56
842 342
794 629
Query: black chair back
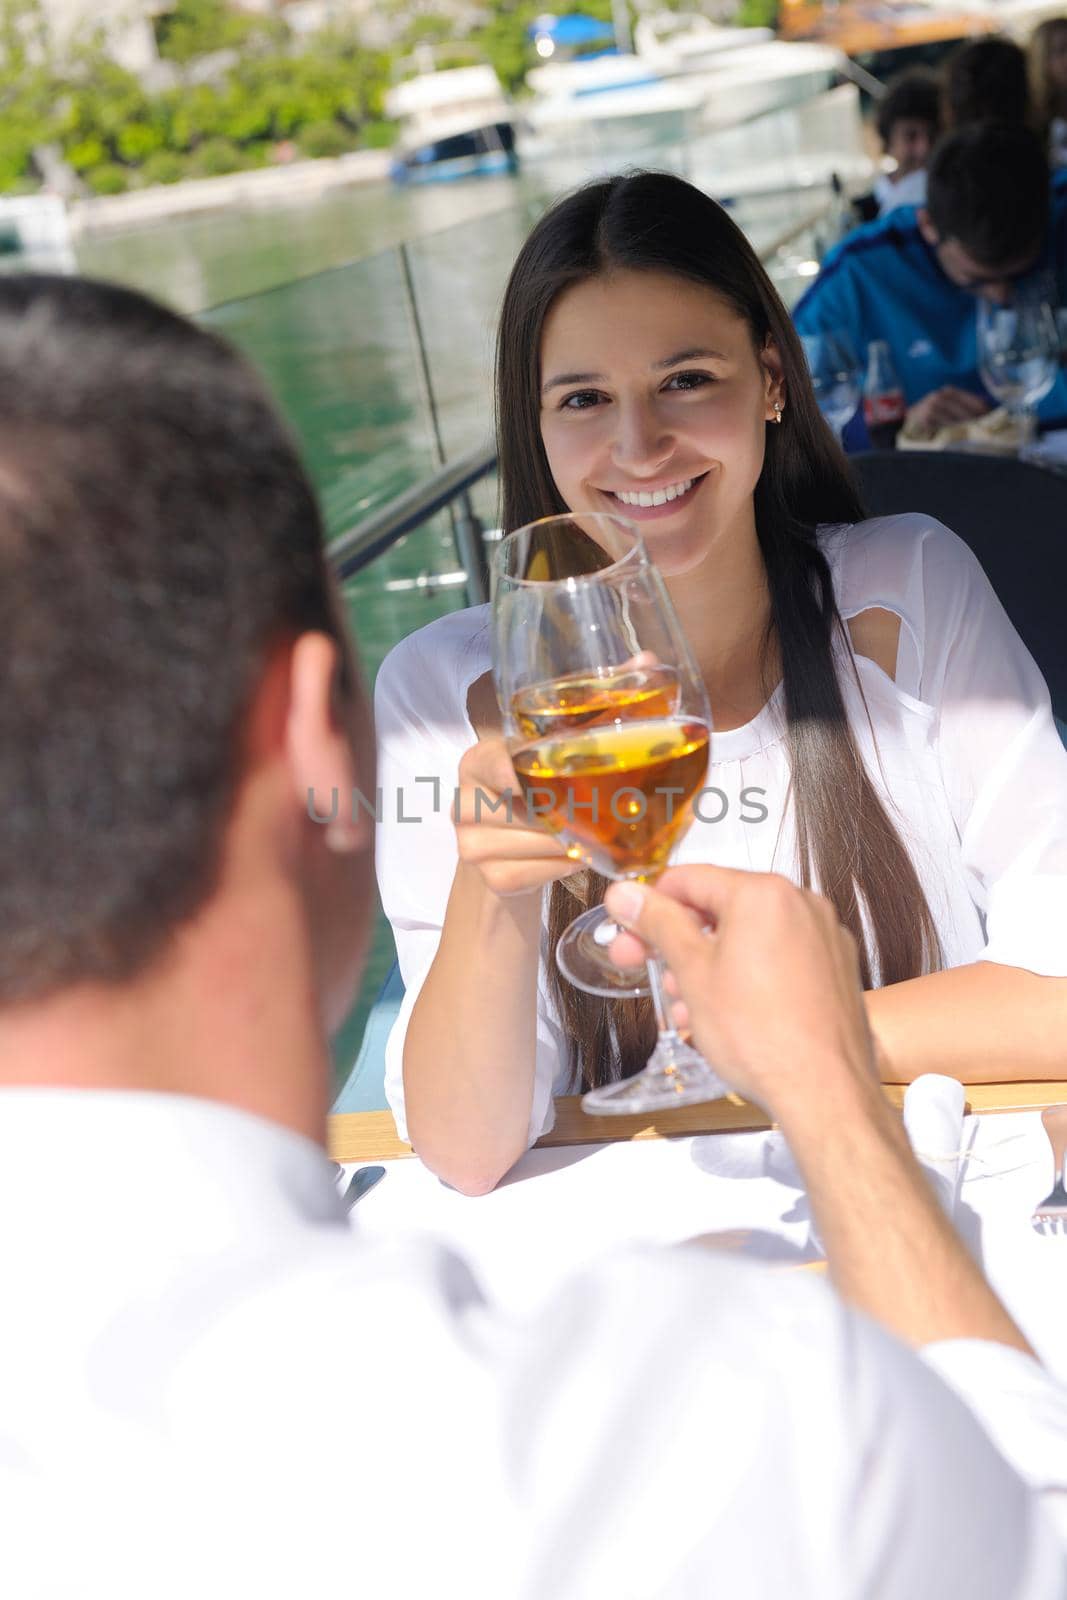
1014 517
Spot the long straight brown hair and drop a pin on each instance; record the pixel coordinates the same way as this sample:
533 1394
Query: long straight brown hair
847 845
1048 101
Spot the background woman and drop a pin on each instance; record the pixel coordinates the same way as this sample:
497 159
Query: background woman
879 730
1048 83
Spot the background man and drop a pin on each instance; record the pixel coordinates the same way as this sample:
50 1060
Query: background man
914 278
208 1385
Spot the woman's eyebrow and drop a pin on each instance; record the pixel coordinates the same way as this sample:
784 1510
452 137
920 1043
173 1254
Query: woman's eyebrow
572 377
689 355
565 378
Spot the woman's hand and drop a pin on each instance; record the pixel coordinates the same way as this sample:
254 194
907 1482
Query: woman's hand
495 835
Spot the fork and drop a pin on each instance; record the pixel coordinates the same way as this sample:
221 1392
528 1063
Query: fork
1051 1215
362 1182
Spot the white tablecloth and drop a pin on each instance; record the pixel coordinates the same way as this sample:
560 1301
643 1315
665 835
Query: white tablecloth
562 1208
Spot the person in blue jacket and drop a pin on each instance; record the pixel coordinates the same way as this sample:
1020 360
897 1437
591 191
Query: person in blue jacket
990 228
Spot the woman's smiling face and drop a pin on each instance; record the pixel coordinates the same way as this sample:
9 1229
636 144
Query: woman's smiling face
655 405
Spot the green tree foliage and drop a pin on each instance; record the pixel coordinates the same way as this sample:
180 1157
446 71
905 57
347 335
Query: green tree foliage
249 94
325 98
200 27
320 139
108 178
757 14
165 166
505 39
27 96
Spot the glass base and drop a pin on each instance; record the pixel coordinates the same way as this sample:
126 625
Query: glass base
676 1075
1024 419
582 957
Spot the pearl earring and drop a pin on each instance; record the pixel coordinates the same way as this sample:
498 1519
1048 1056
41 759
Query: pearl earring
340 839
778 411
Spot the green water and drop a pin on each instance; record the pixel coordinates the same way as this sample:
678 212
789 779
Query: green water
313 293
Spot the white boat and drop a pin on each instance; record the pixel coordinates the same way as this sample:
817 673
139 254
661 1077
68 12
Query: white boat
617 100
453 124
742 72
676 42
750 81
35 234
685 76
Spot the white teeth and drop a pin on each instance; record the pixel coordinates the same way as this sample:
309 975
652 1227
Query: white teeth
657 497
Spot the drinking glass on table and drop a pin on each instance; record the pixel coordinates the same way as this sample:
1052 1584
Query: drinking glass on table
836 377
609 727
1018 355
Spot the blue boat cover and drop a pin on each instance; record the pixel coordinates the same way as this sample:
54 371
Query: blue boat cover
572 30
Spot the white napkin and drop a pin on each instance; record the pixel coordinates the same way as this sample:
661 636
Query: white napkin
933 1121
1050 450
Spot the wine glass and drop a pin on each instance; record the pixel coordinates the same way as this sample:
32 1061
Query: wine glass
835 376
608 726
1018 353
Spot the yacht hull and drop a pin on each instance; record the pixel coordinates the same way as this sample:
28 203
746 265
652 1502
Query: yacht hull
474 152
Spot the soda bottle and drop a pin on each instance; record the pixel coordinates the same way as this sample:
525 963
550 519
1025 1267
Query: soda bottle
883 397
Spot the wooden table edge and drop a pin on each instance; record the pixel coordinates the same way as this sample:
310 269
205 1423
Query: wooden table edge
372 1135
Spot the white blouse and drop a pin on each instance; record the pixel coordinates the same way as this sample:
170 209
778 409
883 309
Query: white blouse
964 753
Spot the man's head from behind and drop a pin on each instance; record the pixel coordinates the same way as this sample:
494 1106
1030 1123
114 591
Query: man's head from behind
172 654
987 207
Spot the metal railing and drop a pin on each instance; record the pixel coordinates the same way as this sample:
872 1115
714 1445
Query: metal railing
448 488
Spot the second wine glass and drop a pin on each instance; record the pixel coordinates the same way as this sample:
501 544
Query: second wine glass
609 727
1018 353
835 377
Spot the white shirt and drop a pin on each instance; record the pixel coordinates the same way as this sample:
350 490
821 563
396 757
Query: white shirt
964 753
209 1386
907 191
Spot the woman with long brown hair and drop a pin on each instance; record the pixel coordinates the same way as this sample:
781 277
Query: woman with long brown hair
879 731
1048 86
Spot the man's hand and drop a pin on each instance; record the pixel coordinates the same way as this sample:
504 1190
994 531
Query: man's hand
941 407
770 992
772 996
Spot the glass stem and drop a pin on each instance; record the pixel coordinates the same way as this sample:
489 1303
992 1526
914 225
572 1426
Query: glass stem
667 1031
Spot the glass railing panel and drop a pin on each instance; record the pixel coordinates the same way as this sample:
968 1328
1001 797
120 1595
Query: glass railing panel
792 267
419 580
459 276
338 352
203 259
792 151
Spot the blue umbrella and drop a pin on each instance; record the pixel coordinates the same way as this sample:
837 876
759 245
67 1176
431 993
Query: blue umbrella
571 31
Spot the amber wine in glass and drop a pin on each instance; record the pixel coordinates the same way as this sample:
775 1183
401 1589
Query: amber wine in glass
582 699
621 793
609 729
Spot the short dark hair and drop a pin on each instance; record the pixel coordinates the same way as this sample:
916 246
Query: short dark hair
986 80
914 96
158 536
988 187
